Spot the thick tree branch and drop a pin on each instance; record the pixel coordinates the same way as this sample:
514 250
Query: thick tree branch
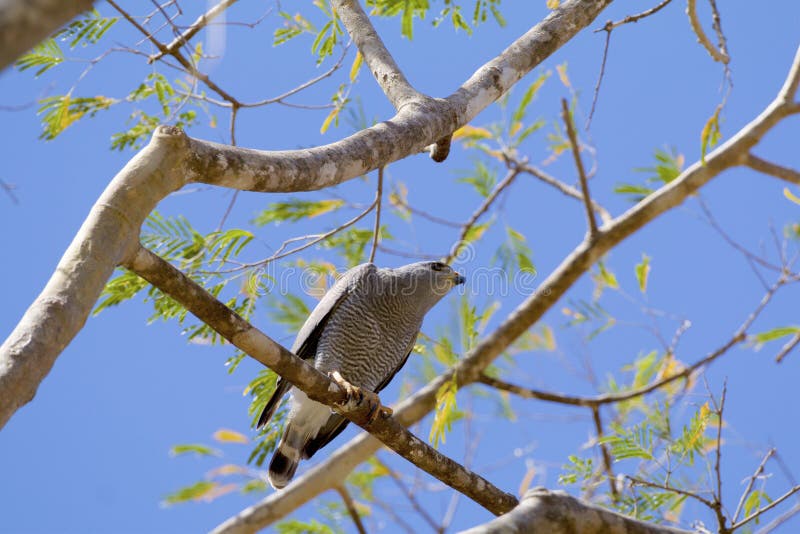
380 62
731 153
555 512
24 23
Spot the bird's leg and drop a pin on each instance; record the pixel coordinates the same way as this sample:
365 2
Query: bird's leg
357 395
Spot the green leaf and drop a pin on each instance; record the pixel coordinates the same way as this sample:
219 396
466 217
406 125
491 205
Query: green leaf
45 56
59 112
195 492
296 210
200 450
528 96
775 333
643 272
710 135
637 192
481 177
446 412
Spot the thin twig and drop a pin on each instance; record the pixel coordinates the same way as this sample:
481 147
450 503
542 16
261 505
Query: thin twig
201 22
185 63
600 77
567 189
378 201
598 425
666 487
406 491
717 504
483 208
351 507
633 18
768 507
566 116
715 53
787 348
751 482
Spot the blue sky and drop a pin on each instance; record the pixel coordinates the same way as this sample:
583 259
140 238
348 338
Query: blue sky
90 453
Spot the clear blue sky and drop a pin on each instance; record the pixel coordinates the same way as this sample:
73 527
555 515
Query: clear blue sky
90 453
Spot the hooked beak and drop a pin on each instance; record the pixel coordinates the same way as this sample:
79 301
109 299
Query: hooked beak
458 279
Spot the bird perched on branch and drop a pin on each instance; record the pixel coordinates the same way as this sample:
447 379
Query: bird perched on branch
360 334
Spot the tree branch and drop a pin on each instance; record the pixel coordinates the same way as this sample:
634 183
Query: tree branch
766 167
316 385
568 190
554 511
201 22
325 475
24 23
717 54
576 153
380 62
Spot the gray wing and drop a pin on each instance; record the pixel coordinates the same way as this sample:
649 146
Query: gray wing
305 345
336 423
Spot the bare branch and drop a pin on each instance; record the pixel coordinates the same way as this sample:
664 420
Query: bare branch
633 18
605 453
483 208
554 511
751 482
185 63
566 116
731 153
567 189
380 62
201 22
717 54
768 507
351 508
787 348
316 385
377 230
763 166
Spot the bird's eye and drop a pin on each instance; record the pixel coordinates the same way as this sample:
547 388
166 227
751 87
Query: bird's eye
437 266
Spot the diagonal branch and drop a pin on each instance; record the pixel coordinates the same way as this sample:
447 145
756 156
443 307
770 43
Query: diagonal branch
554 511
576 153
567 189
192 30
325 475
317 386
380 62
771 169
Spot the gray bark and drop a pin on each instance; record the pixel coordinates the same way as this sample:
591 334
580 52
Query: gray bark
555 512
24 23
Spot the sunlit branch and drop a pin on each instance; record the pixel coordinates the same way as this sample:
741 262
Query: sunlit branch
201 22
316 385
351 508
567 189
380 62
185 63
717 54
750 483
566 116
771 169
377 229
478 213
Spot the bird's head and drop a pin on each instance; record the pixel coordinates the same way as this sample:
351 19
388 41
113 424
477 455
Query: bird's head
426 281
